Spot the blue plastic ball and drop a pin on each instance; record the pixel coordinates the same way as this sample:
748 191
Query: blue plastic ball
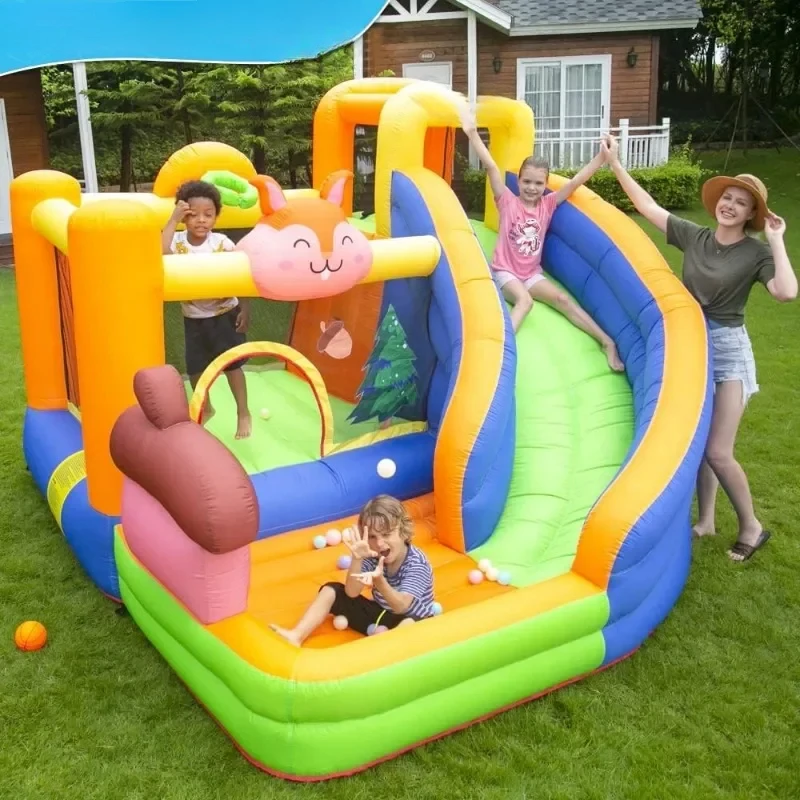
319 542
504 578
436 608
371 629
344 562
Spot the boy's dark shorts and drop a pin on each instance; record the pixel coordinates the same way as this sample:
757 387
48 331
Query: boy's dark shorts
209 337
361 612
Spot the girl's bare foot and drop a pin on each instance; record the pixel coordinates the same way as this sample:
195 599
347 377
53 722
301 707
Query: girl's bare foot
290 636
208 413
614 361
244 426
704 529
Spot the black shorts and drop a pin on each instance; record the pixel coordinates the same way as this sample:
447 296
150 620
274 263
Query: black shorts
209 337
361 612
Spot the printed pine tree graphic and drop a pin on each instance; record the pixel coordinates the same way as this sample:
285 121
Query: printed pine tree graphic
391 377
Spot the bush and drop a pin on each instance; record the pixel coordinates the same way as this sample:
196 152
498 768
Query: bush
675 185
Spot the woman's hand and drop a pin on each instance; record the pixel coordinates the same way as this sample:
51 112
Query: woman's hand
357 543
609 147
775 227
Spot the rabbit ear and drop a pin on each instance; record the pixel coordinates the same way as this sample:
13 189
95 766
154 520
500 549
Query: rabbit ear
270 194
335 185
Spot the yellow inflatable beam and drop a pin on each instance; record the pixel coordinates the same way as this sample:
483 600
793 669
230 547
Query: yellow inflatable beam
50 218
204 276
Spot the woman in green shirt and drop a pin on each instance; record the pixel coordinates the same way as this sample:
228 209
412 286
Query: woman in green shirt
720 267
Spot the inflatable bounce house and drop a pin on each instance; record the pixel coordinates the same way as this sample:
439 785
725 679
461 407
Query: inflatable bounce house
401 376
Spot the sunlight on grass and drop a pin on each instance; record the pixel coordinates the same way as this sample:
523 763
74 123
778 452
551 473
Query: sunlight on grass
707 708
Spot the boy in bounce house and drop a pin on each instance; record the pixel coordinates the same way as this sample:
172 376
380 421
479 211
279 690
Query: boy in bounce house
384 558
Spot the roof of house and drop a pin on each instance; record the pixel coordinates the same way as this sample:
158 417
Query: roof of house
532 17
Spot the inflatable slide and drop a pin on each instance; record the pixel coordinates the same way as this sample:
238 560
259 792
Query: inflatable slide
401 376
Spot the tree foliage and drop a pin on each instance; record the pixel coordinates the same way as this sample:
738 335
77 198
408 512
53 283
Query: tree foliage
142 112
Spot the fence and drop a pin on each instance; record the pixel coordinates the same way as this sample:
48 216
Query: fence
639 146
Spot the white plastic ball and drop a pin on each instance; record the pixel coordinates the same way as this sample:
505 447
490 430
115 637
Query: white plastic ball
386 468
265 413
333 537
475 576
340 623
484 565
492 573
319 542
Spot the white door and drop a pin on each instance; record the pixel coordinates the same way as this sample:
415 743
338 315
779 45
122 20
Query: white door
6 173
436 72
570 98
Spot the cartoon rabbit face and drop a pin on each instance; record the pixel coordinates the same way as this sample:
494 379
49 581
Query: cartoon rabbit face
305 248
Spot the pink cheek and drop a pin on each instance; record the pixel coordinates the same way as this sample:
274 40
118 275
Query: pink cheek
285 265
359 259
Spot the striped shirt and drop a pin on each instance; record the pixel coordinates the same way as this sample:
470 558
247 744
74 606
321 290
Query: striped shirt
415 577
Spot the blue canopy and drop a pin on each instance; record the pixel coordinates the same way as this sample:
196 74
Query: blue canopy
42 32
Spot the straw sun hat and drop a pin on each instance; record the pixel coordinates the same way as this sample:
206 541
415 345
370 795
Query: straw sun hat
714 188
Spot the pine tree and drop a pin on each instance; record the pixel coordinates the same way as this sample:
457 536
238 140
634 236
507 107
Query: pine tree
390 382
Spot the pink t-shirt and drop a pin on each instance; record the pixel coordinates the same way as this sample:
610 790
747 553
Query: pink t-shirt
521 236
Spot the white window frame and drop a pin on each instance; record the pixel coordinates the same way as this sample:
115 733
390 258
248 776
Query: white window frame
6 172
605 98
448 64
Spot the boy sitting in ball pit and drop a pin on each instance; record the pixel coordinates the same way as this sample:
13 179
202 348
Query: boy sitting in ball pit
384 558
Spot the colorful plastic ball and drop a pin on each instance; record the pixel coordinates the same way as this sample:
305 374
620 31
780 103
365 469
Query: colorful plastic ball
484 565
492 573
381 629
265 413
30 635
333 537
475 576
340 623
504 578
344 562
319 542
371 629
386 468
437 609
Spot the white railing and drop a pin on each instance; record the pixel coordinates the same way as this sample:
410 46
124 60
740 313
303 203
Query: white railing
639 146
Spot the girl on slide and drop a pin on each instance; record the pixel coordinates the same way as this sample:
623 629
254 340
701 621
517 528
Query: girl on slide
517 261
720 267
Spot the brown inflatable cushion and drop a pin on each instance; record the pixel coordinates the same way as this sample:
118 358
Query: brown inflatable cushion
192 474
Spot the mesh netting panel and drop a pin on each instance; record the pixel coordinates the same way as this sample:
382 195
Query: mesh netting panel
270 321
67 327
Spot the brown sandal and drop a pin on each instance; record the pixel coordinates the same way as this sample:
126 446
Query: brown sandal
747 550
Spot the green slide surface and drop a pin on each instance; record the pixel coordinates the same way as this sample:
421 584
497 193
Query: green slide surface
574 426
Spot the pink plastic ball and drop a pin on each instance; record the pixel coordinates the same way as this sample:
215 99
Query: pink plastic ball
381 629
344 562
475 576
333 537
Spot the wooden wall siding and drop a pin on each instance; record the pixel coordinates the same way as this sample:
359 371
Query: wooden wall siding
391 46
633 91
27 130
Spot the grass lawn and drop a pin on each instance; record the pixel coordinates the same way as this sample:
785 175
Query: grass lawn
708 708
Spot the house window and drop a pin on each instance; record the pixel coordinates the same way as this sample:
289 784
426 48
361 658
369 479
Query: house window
6 173
435 71
570 101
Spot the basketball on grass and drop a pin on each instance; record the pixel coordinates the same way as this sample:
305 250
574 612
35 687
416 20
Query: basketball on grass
30 636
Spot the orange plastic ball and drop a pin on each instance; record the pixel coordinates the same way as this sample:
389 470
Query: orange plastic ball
30 635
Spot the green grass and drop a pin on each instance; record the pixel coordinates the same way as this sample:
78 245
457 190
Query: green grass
708 708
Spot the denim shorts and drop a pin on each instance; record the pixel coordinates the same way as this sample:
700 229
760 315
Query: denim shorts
733 358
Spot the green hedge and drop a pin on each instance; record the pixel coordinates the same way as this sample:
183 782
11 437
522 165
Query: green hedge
675 185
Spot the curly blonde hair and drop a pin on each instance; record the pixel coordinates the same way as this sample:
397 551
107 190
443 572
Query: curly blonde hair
384 513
